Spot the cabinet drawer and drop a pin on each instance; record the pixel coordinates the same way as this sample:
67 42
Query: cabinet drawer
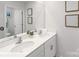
39 52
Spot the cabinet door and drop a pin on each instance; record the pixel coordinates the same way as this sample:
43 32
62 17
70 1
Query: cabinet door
39 52
50 47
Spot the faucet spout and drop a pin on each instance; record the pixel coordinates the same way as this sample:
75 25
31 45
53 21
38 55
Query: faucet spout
15 36
19 40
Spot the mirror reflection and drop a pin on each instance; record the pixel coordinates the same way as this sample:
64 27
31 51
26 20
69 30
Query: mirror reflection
14 17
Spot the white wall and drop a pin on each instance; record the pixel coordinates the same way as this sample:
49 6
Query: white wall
50 16
18 21
38 15
67 38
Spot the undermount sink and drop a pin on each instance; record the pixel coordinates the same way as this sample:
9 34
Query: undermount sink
22 46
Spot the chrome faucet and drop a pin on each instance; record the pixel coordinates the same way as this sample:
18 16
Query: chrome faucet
15 36
19 40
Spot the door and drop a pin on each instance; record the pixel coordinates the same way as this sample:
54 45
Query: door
18 21
2 20
9 20
50 47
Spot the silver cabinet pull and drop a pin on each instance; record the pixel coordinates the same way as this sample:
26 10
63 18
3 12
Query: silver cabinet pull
51 47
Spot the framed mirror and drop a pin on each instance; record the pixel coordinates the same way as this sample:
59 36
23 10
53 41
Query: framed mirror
15 17
72 20
71 6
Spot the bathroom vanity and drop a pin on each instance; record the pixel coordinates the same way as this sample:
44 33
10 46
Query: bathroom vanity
47 49
31 46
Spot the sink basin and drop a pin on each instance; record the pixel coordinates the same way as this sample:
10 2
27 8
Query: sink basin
22 46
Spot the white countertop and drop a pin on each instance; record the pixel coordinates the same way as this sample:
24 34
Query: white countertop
38 41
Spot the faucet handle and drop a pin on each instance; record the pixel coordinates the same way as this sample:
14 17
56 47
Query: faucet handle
15 36
20 38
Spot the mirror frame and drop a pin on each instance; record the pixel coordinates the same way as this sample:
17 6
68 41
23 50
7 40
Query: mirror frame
29 11
72 9
71 19
30 20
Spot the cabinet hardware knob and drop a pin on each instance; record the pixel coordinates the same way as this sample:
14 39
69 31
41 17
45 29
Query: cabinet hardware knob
2 28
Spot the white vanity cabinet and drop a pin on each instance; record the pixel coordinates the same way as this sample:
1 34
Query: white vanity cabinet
50 47
39 52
